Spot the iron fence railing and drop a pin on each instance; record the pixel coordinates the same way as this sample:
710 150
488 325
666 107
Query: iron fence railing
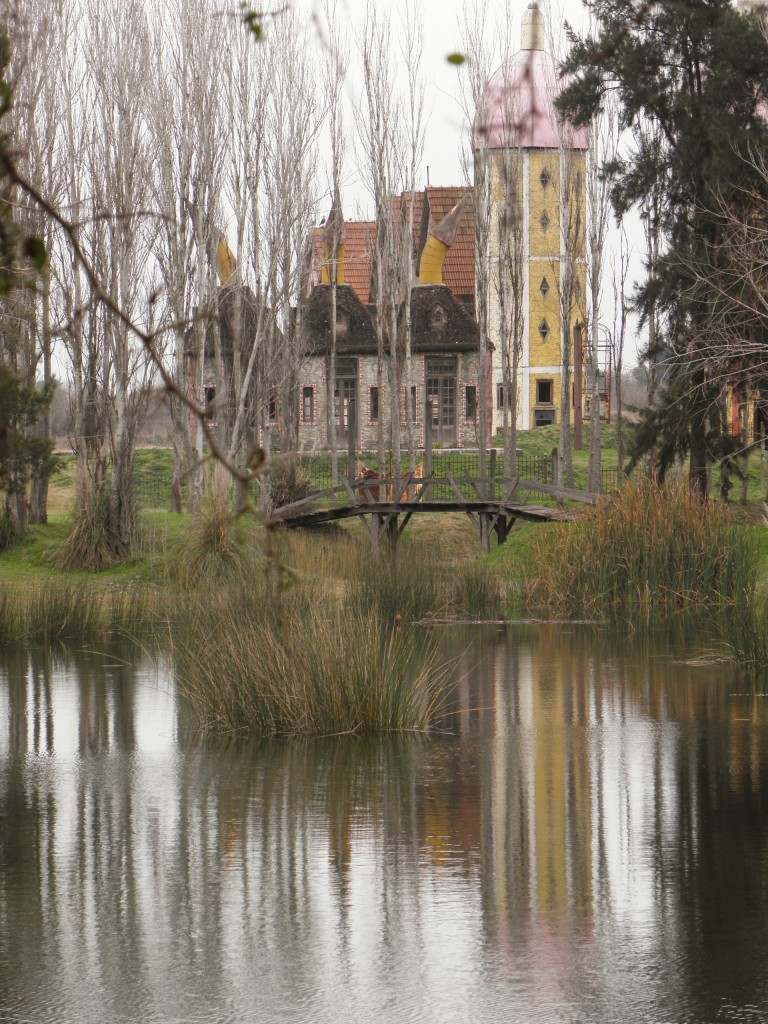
303 474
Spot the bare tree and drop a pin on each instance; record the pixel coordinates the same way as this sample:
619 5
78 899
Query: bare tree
335 71
509 251
120 171
187 125
603 149
474 29
27 316
382 145
618 336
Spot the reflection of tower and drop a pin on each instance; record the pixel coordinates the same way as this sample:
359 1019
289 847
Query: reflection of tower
531 162
539 830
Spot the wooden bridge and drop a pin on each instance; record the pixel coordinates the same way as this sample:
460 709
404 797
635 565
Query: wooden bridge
386 506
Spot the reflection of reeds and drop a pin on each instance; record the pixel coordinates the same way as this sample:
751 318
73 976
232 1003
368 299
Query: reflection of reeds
246 664
648 554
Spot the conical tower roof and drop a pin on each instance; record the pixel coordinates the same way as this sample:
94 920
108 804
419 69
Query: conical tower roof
517 107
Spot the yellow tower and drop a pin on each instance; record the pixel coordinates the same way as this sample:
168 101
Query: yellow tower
535 167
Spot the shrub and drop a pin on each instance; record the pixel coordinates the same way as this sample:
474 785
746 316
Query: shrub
87 546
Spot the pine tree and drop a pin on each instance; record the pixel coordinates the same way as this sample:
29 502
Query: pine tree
697 71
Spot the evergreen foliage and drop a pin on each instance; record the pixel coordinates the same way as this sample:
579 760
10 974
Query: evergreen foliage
692 78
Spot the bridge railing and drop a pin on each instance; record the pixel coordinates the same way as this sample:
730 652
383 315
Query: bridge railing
394 493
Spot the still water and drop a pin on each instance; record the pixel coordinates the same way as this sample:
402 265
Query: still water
587 841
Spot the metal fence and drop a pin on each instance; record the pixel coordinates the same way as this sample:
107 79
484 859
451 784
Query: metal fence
304 474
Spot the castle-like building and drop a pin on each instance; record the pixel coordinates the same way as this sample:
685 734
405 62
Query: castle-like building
529 200
530 169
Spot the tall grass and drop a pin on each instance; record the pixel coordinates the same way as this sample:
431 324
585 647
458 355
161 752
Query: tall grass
412 583
71 613
247 665
643 557
745 634
217 549
87 546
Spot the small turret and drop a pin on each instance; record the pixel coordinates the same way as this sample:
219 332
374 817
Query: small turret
439 241
334 231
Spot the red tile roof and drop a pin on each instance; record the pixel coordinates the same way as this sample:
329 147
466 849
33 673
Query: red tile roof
459 266
358 256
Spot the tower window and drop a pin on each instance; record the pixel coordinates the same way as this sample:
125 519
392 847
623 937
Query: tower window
544 287
544 330
544 221
544 392
545 177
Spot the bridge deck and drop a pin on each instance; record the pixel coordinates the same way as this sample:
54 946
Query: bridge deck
531 513
410 494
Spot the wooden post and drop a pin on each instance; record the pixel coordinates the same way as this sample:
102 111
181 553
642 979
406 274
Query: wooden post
375 532
485 533
351 440
427 471
578 400
492 476
393 533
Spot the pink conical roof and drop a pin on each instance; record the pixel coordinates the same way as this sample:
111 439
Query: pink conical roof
517 107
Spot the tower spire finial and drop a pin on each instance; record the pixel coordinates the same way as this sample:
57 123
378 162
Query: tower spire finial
532 28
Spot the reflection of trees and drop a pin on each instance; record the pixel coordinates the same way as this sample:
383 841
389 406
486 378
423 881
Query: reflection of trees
593 798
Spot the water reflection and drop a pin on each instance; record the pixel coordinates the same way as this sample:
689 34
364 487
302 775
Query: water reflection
586 839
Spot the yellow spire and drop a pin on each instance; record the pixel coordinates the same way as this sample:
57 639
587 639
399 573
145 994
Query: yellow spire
335 231
438 243
227 263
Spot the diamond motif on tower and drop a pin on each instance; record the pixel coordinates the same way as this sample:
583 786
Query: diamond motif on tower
544 287
545 177
544 221
544 330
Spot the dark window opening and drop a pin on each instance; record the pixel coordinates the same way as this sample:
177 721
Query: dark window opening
545 178
544 287
210 398
374 404
544 392
470 403
503 396
544 221
308 404
413 404
543 417
544 330
272 407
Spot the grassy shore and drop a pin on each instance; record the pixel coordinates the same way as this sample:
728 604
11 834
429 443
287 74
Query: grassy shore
181 562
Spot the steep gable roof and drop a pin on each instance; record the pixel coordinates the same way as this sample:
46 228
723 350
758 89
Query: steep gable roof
358 256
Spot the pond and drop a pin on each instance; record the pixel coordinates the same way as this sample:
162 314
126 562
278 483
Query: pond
585 840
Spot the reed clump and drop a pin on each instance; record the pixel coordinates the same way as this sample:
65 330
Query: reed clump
404 585
217 549
64 612
249 664
744 630
651 553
